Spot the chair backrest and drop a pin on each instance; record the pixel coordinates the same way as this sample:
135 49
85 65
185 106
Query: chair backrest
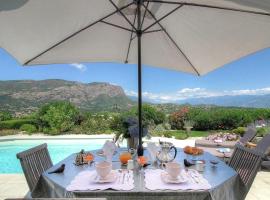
246 162
34 162
263 144
248 136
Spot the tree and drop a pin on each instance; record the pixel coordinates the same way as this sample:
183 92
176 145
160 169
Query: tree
177 119
150 115
57 117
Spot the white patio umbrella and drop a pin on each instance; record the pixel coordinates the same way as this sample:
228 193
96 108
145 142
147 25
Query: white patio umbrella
194 36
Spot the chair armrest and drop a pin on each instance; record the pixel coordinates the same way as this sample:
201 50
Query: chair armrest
250 145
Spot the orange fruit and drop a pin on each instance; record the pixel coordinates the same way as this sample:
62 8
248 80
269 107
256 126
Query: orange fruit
142 160
89 157
124 157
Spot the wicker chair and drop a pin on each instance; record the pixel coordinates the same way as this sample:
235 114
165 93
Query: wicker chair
264 144
246 162
34 162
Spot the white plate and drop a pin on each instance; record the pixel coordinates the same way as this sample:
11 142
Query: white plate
108 179
167 179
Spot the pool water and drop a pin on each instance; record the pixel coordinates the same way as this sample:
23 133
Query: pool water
58 149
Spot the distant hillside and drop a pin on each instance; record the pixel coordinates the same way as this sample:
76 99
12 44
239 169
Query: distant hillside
252 101
26 96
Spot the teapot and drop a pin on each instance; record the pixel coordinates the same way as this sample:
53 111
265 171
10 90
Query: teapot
164 155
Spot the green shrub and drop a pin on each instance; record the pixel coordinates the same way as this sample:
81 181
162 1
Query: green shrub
29 128
5 116
57 117
16 123
261 132
159 128
167 134
96 124
240 131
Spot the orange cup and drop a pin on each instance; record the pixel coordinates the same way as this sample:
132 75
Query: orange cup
124 157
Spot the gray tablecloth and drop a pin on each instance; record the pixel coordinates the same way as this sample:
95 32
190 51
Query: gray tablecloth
225 182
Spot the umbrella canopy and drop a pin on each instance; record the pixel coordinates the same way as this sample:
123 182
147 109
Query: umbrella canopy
197 36
194 36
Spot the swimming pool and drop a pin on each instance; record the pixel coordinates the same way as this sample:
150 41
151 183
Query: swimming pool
58 148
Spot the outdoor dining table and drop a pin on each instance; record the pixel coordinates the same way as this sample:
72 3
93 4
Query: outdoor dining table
225 182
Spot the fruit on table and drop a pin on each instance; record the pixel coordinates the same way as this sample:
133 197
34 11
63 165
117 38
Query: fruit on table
193 150
124 157
88 157
142 160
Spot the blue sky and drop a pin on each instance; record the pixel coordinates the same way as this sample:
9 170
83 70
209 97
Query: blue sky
249 75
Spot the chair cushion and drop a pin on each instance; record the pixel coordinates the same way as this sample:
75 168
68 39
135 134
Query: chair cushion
210 143
266 165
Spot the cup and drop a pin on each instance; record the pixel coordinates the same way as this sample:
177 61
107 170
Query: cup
103 169
173 169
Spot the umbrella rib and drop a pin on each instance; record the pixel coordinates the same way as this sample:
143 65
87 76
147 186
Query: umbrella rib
76 33
153 31
117 26
163 17
144 15
209 6
131 36
172 40
123 15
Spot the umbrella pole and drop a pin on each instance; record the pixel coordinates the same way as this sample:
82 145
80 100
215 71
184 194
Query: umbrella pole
139 36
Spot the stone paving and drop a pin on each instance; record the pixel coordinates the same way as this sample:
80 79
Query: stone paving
14 185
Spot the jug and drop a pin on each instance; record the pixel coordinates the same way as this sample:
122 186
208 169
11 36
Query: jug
164 155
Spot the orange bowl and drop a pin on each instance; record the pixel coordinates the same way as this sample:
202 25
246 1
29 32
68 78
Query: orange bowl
124 157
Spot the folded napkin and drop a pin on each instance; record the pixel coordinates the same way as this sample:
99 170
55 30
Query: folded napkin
108 149
223 150
86 181
195 181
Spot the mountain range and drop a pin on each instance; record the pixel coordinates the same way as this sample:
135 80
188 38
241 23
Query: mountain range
25 96
253 101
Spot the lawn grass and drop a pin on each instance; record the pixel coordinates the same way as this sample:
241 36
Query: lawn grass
181 134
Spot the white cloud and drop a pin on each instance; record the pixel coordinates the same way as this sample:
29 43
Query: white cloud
79 66
191 93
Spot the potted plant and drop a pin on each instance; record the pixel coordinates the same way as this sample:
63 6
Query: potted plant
130 131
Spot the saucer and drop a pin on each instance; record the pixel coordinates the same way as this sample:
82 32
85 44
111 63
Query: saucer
112 176
101 153
167 179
